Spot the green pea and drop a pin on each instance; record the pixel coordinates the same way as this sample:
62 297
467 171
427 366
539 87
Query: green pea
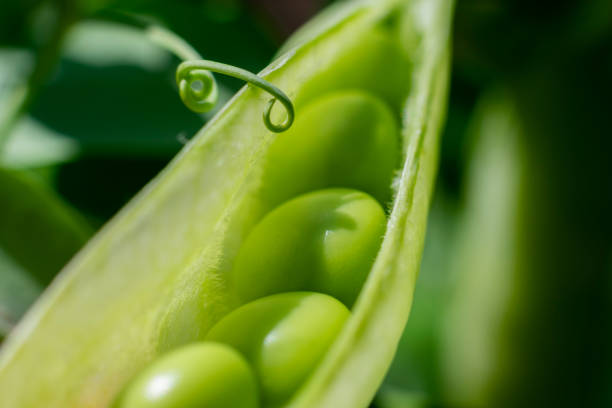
387 80
343 139
324 241
284 337
202 375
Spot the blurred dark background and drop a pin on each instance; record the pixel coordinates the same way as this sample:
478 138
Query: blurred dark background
513 302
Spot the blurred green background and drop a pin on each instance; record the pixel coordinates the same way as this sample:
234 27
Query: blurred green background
514 299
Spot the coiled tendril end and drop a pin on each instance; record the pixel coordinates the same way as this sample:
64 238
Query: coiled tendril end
198 89
197 86
286 123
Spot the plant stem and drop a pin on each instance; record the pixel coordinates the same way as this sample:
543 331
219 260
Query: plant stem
46 60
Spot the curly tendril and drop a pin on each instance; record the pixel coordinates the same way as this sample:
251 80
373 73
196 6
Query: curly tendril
199 92
197 86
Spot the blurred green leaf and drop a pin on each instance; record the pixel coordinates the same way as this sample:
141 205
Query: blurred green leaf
531 315
18 290
33 145
15 67
113 94
38 235
103 44
485 258
38 230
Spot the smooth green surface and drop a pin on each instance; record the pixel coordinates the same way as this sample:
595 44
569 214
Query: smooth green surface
324 241
342 139
284 337
202 375
156 276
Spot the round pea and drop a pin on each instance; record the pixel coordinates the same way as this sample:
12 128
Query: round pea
342 139
202 375
284 337
324 241
358 66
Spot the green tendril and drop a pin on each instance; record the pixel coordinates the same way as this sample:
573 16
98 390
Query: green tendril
197 86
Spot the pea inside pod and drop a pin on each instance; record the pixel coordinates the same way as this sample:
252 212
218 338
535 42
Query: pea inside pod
284 337
201 375
346 139
324 241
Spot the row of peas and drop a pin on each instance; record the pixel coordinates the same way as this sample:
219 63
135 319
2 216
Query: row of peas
299 270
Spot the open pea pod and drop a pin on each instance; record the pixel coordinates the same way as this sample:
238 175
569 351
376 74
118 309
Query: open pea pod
156 276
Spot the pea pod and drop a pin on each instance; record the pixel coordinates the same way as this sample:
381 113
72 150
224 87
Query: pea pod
156 276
